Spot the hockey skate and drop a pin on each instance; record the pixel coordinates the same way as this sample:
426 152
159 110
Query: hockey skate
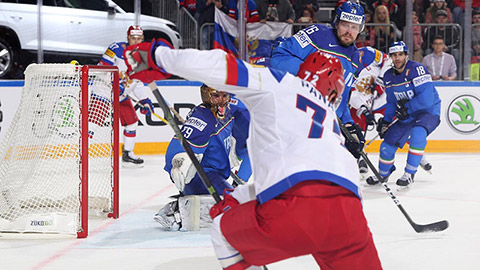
362 167
426 165
373 180
405 181
130 160
169 217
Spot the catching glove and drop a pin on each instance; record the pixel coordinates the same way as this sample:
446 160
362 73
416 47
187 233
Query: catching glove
355 146
183 170
147 108
402 111
382 127
224 205
140 61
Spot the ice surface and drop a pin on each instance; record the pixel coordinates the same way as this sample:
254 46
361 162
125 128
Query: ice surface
134 241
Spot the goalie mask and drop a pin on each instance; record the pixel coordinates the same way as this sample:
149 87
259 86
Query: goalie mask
217 100
325 72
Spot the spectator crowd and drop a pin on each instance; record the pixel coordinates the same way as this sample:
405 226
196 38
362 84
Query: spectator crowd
385 22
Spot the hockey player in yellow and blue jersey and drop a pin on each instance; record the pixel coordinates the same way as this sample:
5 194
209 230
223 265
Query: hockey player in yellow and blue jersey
337 41
414 101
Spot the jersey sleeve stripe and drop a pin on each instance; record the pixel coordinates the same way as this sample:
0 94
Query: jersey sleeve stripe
237 72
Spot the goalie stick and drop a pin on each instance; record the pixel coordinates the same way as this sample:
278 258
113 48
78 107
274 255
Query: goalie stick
419 228
169 117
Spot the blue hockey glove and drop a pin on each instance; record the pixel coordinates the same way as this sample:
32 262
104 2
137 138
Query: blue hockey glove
147 108
382 127
402 111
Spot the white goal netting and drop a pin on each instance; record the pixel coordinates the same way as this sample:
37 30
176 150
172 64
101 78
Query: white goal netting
42 156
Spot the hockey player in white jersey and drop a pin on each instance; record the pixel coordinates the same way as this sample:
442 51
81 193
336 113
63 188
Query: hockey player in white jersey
303 175
113 56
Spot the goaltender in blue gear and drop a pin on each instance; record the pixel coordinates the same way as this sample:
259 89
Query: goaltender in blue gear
414 101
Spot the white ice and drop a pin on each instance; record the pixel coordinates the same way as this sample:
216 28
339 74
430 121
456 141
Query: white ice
134 241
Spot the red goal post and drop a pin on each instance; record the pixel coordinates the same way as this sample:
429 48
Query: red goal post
59 159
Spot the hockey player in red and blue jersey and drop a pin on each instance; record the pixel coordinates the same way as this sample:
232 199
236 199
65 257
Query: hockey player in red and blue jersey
337 41
414 101
113 56
303 173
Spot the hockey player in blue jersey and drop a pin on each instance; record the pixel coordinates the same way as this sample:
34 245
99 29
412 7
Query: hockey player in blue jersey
337 40
208 130
414 101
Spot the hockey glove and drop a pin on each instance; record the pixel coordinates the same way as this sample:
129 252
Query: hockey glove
402 111
147 107
183 170
355 146
140 61
224 205
382 127
369 117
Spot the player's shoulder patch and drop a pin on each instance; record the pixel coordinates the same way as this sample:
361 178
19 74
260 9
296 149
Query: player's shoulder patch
422 79
378 56
302 38
234 101
109 53
196 123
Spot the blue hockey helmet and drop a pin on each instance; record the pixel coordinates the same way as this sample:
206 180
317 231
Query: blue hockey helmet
398 46
350 12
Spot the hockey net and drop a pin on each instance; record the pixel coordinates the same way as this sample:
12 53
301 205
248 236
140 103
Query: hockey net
59 157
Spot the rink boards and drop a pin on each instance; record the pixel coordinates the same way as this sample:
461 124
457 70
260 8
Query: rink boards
459 130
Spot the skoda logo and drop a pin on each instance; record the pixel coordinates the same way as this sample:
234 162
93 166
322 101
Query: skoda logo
463 114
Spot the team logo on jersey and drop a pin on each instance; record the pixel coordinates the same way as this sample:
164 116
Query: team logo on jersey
302 39
463 114
378 56
196 123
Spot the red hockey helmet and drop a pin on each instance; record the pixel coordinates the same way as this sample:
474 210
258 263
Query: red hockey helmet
135 30
325 72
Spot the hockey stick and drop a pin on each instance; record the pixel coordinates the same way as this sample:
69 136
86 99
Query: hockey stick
376 136
419 228
169 117
143 106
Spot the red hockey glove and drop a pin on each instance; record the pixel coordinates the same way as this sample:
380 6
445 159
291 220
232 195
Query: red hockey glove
140 61
223 206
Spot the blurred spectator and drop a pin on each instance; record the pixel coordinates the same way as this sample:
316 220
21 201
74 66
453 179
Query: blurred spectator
308 16
476 26
300 5
382 35
440 64
392 9
190 5
251 12
437 5
206 14
275 11
363 38
450 34
420 6
417 39
459 10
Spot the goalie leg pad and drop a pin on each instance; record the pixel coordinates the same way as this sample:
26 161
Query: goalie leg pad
194 212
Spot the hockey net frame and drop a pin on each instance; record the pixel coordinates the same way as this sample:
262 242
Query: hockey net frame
81 148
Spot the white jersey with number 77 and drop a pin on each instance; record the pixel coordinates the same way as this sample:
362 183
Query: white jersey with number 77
294 134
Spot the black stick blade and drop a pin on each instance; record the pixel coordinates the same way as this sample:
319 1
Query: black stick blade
433 227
